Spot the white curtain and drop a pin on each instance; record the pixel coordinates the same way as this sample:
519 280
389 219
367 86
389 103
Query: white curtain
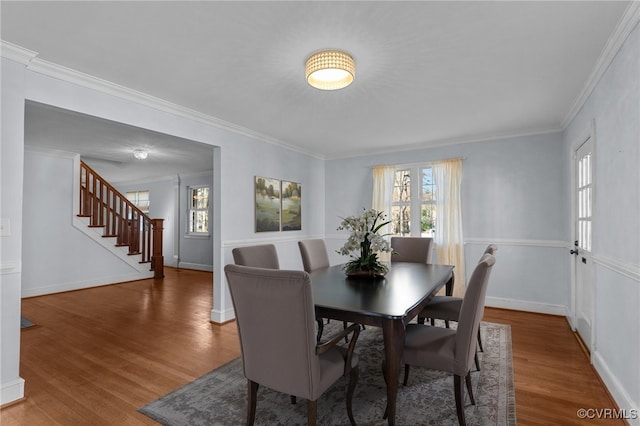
382 196
449 243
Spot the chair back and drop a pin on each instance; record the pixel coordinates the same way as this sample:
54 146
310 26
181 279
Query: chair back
491 249
314 254
262 256
412 249
275 316
471 314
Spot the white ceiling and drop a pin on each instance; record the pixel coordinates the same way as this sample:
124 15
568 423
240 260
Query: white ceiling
427 73
107 147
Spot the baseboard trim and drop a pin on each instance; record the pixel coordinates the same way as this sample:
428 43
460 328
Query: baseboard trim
60 288
528 306
196 266
630 409
222 317
11 391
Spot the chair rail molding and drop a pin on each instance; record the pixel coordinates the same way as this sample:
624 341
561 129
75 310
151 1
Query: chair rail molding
628 269
10 267
271 240
517 242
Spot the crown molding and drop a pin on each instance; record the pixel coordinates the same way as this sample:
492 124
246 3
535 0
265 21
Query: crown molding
626 25
444 142
16 53
50 69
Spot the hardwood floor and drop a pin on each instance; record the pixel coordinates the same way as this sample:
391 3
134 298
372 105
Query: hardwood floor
96 355
552 374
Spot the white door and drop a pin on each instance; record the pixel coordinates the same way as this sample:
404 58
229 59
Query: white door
584 303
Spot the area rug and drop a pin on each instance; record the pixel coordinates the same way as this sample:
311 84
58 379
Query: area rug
219 397
25 323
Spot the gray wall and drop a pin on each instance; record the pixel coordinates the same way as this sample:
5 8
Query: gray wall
513 194
613 109
11 178
56 255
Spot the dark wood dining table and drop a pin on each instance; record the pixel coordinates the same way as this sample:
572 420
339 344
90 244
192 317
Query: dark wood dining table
389 302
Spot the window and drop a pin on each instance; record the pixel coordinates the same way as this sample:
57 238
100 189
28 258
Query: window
140 199
585 190
413 204
199 210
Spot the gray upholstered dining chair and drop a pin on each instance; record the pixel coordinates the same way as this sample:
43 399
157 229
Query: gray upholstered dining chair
412 249
262 256
447 308
315 256
450 350
284 355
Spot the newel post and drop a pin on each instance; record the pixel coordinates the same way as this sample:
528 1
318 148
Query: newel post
157 259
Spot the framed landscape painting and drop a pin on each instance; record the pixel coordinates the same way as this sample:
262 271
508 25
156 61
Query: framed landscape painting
268 204
291 206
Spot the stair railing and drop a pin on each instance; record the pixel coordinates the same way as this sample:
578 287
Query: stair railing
108 209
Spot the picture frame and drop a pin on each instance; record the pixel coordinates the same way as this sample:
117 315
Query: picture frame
268 204
291 211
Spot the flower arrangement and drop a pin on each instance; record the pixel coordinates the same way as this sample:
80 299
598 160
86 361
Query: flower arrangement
364 243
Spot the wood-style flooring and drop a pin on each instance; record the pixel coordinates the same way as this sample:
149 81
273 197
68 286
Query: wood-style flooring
96 355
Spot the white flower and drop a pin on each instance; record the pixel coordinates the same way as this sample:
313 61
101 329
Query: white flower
363 228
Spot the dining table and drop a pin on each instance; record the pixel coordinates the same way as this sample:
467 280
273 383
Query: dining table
389 302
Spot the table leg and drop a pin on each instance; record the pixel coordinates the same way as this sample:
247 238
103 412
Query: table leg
449 285
393 333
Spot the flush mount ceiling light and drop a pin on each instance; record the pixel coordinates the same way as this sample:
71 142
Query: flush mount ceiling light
330 70
140 154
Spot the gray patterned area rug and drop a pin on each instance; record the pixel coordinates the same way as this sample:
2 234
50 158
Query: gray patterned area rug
219 397
25 322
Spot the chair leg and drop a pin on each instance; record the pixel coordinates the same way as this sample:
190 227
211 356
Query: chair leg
420 320
344 326
480 341
446 323
252 388
320 328
312 412
459 394
353 380
386 409
294 400
467 379
475 357
406 375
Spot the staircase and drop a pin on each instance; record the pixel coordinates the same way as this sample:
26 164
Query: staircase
119 223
